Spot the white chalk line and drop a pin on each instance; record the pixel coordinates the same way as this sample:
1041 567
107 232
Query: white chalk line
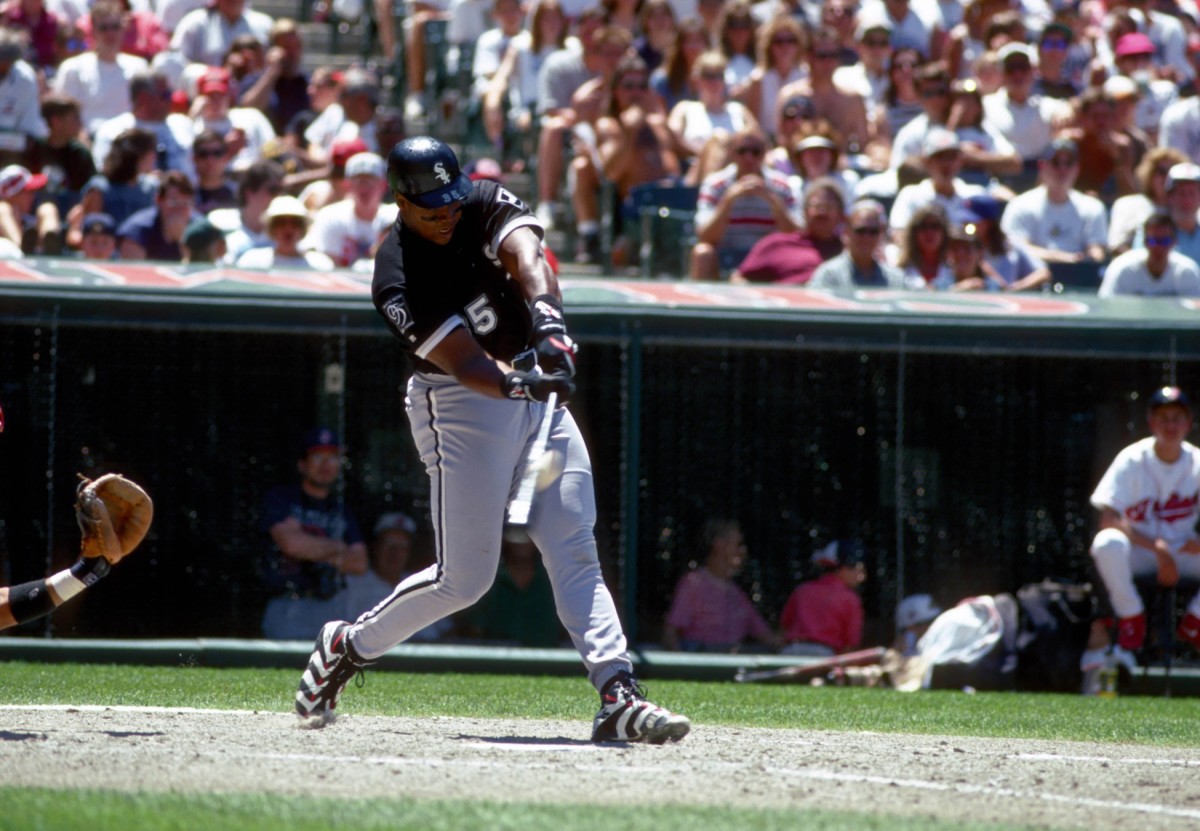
1104 760
121 708
814 774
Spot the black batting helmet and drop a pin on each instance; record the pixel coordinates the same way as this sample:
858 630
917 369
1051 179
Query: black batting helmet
425 171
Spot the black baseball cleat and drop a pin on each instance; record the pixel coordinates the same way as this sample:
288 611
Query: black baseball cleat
332 665
626 716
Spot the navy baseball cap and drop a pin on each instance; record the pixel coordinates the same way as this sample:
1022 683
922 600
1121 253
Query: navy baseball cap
839 553
320 438
1169 395
1061 145
99 224
985 206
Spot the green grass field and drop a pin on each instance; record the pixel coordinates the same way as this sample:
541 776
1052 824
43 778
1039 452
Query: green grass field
1137 721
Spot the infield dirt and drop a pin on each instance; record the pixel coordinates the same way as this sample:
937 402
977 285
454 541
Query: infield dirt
1040 783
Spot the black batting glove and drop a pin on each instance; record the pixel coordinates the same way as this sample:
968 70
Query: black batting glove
537 386
556 354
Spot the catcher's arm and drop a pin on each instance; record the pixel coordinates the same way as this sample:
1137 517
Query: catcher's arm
114 515
38 598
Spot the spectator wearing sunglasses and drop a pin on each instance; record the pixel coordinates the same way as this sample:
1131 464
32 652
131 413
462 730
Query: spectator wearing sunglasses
942 154
1054 45
1157 270
699 127
1056 222
780 45
861 263
792 257
1027 120
736 41
1183 204
933 85
739 205
869 75
247 131
214 188
845 109
1129 212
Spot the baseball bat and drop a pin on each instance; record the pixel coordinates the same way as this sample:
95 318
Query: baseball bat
801 672
517 519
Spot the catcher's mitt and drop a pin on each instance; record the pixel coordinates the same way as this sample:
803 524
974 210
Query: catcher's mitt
114 515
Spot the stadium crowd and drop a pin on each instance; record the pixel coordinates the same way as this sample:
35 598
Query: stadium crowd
1003 141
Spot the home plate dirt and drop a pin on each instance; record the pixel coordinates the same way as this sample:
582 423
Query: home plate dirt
1057 784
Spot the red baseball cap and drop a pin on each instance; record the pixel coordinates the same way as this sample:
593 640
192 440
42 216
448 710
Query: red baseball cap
15 179
343 149
215 80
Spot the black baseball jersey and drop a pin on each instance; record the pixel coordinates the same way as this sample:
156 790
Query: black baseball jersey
425 291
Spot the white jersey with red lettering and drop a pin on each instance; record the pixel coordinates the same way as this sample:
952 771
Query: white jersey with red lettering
1158 499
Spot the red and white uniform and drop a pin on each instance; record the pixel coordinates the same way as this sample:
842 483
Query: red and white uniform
1159 500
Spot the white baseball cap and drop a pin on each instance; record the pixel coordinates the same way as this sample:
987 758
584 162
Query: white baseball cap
396 521
916 609
285 206
365 164
1182 172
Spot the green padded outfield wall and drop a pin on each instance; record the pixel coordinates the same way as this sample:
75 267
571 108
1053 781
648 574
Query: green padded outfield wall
957 436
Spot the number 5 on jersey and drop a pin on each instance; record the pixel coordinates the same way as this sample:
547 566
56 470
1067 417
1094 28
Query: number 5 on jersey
482 316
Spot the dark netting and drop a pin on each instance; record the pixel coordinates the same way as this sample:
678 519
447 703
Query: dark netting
991 459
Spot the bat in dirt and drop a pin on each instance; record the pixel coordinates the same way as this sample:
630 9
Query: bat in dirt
816 669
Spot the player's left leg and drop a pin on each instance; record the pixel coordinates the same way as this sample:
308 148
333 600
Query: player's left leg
1189 626
561 525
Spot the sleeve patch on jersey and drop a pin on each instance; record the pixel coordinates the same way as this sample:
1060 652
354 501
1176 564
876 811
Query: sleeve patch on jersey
397 314
505 195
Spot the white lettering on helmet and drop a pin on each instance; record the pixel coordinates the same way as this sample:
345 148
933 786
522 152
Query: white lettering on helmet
443 176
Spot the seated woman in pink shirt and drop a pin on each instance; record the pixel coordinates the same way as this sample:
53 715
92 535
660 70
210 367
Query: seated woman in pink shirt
710 613
825 616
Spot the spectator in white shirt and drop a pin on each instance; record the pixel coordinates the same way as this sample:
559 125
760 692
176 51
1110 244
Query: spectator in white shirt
99 79
243 226
942 154
205 35
1025 119
349 230
869 76
352 117
20 114
151 110
1056 222
1180 127
286 221
1156 270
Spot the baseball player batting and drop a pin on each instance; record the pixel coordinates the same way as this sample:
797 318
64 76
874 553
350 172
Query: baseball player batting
1149 501
462 280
